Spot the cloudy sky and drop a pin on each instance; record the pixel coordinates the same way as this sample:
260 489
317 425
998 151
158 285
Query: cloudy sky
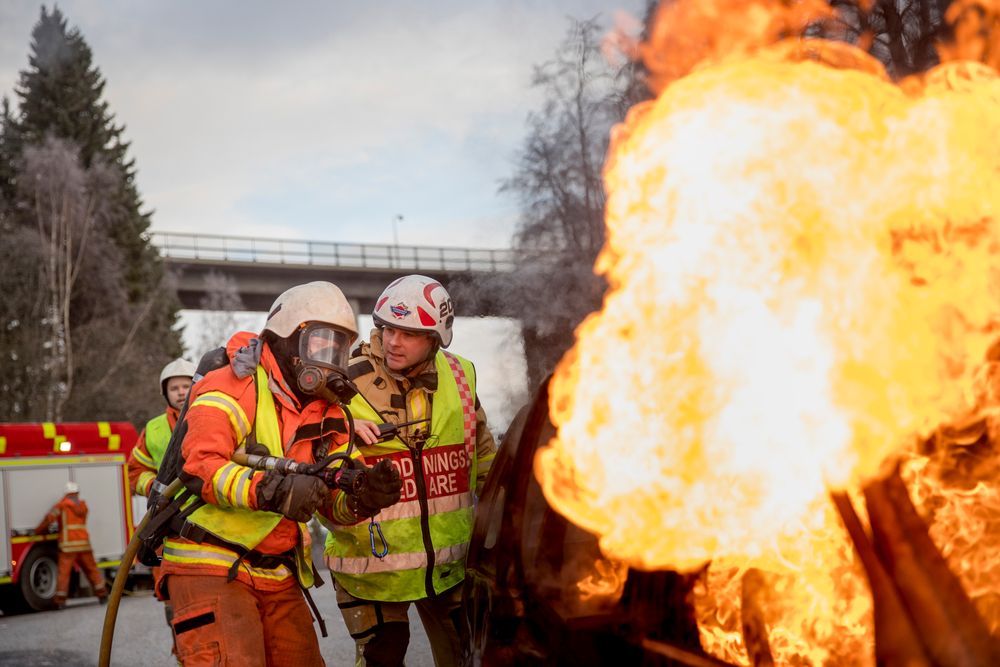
326 119
320 119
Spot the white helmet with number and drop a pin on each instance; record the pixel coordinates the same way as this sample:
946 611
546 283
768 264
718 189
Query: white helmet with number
417 303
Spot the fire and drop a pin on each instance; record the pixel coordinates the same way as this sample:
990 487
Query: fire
803 267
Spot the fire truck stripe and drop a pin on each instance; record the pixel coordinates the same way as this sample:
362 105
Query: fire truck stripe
114 440
237 418
396 561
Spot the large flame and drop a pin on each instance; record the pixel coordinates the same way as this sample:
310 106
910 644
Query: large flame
803 265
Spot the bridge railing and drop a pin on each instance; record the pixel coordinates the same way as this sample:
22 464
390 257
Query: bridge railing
213 247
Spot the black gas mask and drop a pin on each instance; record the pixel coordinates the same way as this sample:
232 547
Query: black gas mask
320 369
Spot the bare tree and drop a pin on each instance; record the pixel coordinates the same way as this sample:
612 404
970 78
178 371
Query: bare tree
66 202
903 34
218 306
558 180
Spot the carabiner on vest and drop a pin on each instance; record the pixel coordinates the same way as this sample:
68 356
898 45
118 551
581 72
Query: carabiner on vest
374 527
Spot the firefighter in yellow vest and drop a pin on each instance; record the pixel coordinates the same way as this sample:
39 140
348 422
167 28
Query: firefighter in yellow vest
237 567
144 461
403 374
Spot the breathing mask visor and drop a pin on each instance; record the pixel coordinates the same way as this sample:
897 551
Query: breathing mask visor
324 351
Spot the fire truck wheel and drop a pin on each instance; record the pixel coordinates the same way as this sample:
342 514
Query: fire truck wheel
39 575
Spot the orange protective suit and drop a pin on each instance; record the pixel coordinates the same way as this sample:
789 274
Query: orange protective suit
74 546
260 617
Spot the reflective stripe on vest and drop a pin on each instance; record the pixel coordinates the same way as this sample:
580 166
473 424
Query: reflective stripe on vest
245 527
207 554
157 438
449 476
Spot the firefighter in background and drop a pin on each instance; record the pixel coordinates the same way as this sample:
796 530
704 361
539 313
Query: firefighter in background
144 461
235 566
70 514
402 374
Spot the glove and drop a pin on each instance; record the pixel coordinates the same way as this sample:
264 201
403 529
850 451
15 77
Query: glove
380 490
295 496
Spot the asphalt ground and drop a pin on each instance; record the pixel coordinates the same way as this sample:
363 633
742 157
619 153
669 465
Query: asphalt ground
71 637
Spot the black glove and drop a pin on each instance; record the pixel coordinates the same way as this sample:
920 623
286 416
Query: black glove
295 496
380 490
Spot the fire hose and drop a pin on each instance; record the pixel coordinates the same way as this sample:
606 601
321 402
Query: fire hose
349 477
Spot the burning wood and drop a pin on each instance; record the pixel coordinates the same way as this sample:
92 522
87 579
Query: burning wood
922 613
896 640
945 618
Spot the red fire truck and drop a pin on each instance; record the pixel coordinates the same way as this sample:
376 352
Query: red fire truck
36 461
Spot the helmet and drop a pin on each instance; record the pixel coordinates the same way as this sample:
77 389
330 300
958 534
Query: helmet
176 368
417 303
325 317
317 301
72 487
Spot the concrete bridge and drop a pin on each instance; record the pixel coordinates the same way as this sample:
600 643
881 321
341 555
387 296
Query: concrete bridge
262 268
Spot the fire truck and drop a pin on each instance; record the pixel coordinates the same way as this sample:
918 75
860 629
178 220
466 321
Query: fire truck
36 461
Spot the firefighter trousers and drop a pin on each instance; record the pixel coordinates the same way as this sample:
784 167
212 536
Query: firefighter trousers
89 567
218 622
381 630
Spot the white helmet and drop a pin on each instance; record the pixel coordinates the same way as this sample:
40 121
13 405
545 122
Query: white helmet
72 487
417 303
317 303
176 368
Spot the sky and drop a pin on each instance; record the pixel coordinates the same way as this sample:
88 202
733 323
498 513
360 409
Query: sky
319 120
325 120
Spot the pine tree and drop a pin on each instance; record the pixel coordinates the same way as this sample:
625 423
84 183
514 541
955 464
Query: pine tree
61 94
121 314
9 150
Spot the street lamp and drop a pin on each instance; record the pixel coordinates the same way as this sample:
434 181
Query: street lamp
396 219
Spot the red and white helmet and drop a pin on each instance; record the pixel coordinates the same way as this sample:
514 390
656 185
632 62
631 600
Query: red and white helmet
417 303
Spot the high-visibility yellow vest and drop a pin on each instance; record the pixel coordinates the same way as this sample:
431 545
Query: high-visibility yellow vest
157 438
245 527
443 493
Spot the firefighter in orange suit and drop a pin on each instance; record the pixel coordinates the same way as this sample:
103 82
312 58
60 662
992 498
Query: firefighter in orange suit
144 461
237 567
70 514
